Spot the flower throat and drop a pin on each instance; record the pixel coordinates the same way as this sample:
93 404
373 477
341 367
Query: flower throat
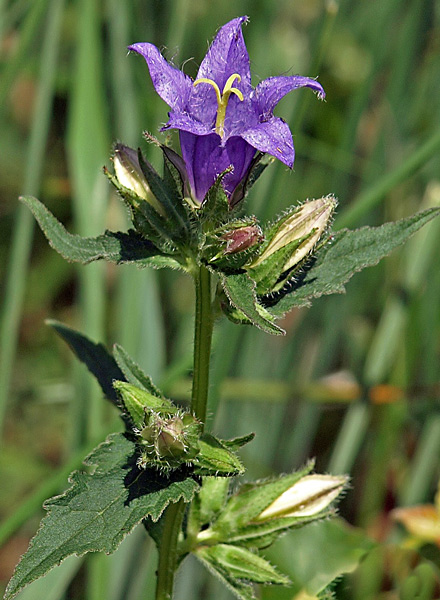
222 99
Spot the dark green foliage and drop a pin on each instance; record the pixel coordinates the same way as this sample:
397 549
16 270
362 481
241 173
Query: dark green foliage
100 509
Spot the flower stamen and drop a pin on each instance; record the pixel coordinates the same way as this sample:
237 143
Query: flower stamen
222 99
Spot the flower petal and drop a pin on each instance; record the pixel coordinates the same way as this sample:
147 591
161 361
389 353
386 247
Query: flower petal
270 91
228 55
184 122
172 85
273 137
205 159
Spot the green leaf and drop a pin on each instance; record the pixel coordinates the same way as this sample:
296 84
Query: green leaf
95 356
133 373
315 555
240 290
263 535
115 247
100 509
241 563
347 253
214 459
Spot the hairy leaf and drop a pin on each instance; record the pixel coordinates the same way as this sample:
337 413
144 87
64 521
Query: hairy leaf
115 247
347 253
100 508
240 290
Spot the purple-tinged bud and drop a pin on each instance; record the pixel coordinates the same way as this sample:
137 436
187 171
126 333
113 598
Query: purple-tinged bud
242 238
305 498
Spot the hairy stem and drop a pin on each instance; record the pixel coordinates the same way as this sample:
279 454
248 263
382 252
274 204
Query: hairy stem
204 321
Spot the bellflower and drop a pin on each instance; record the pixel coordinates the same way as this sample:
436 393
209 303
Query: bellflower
222 120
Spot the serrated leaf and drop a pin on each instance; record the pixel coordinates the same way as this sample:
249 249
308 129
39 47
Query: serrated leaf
242 564
240 290
347 253
100 509
214 459
95 356
115 247
133 373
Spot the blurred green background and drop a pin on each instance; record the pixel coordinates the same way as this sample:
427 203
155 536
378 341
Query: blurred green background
355 383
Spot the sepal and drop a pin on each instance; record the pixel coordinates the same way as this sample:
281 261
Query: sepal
216 459
259 512
232 245
236 564
240 291
258 165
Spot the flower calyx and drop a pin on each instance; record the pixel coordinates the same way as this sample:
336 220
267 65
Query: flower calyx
233 244
168 437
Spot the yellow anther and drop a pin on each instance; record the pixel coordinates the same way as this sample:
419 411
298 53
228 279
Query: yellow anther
222 98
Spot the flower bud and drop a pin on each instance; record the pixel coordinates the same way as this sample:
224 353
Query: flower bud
307 497
171 436
305 225
242 238
129 174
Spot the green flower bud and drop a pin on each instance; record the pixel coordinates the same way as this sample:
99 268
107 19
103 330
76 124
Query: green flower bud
306 226
290 240
170 439
129 175
306 498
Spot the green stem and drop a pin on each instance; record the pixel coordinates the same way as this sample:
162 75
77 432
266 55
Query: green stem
168 556
202 343
204 321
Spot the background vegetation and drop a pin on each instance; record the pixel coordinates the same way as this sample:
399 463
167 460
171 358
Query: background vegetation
355 382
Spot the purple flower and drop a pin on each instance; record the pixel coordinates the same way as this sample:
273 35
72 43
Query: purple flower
222 120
